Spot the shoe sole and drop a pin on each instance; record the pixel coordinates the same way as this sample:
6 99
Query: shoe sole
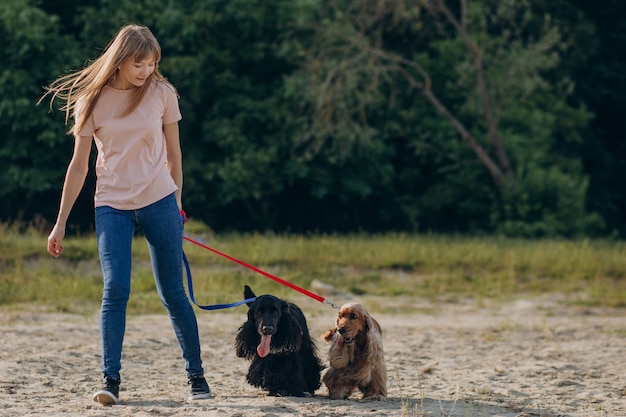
199 396
105 398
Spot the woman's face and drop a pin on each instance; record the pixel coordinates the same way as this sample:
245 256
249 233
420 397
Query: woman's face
134 74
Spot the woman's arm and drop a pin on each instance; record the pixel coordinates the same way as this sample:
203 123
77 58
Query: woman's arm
73 184
174 158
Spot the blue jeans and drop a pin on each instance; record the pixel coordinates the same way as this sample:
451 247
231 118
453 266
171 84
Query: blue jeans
162 226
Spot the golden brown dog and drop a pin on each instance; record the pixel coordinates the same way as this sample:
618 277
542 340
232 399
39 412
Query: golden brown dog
356 355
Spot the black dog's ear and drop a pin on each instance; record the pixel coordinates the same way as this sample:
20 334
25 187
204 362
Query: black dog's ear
285 307
290 331
248 293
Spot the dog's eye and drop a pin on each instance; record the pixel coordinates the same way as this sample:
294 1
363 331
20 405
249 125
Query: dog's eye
352 316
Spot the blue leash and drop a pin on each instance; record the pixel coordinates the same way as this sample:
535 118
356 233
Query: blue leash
214 306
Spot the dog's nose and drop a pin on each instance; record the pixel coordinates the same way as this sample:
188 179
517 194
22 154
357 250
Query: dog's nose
341 330
267 329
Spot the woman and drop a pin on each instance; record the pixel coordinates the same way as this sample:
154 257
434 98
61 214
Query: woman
122 103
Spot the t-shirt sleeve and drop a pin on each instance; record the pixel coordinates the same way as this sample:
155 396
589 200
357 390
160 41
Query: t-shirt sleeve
89 127
171 111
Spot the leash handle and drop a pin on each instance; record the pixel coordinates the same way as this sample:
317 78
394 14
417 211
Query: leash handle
266 274
209 307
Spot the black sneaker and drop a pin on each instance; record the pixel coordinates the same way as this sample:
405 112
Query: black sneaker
198 388
109 394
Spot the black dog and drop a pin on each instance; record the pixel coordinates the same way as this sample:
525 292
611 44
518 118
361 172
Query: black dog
276 338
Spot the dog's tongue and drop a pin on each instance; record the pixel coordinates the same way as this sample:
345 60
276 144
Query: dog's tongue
264 347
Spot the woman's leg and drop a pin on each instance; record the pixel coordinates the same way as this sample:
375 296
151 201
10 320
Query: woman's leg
114 231
163 229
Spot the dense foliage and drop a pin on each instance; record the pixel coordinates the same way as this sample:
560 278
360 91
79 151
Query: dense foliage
472 116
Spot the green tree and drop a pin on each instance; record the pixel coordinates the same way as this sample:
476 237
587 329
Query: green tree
481 66
599 69
341 115
225 59
34 143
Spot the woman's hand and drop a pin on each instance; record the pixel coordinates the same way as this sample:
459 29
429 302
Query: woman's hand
55 248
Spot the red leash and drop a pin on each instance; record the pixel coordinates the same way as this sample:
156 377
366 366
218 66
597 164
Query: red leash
268 275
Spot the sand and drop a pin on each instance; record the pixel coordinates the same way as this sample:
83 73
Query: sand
530 357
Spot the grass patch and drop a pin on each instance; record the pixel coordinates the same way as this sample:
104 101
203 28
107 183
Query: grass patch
591 272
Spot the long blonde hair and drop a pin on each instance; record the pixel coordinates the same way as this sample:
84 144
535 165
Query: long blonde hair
81 89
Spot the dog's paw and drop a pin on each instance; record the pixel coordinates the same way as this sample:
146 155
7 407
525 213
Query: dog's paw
287 393
328 334
373 398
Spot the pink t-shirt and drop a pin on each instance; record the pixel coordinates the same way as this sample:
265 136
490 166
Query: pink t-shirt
131 167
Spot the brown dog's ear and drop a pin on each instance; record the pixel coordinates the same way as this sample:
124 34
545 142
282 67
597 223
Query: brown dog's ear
328 334
371 324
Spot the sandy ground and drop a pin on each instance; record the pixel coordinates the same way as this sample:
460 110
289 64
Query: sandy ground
532 357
